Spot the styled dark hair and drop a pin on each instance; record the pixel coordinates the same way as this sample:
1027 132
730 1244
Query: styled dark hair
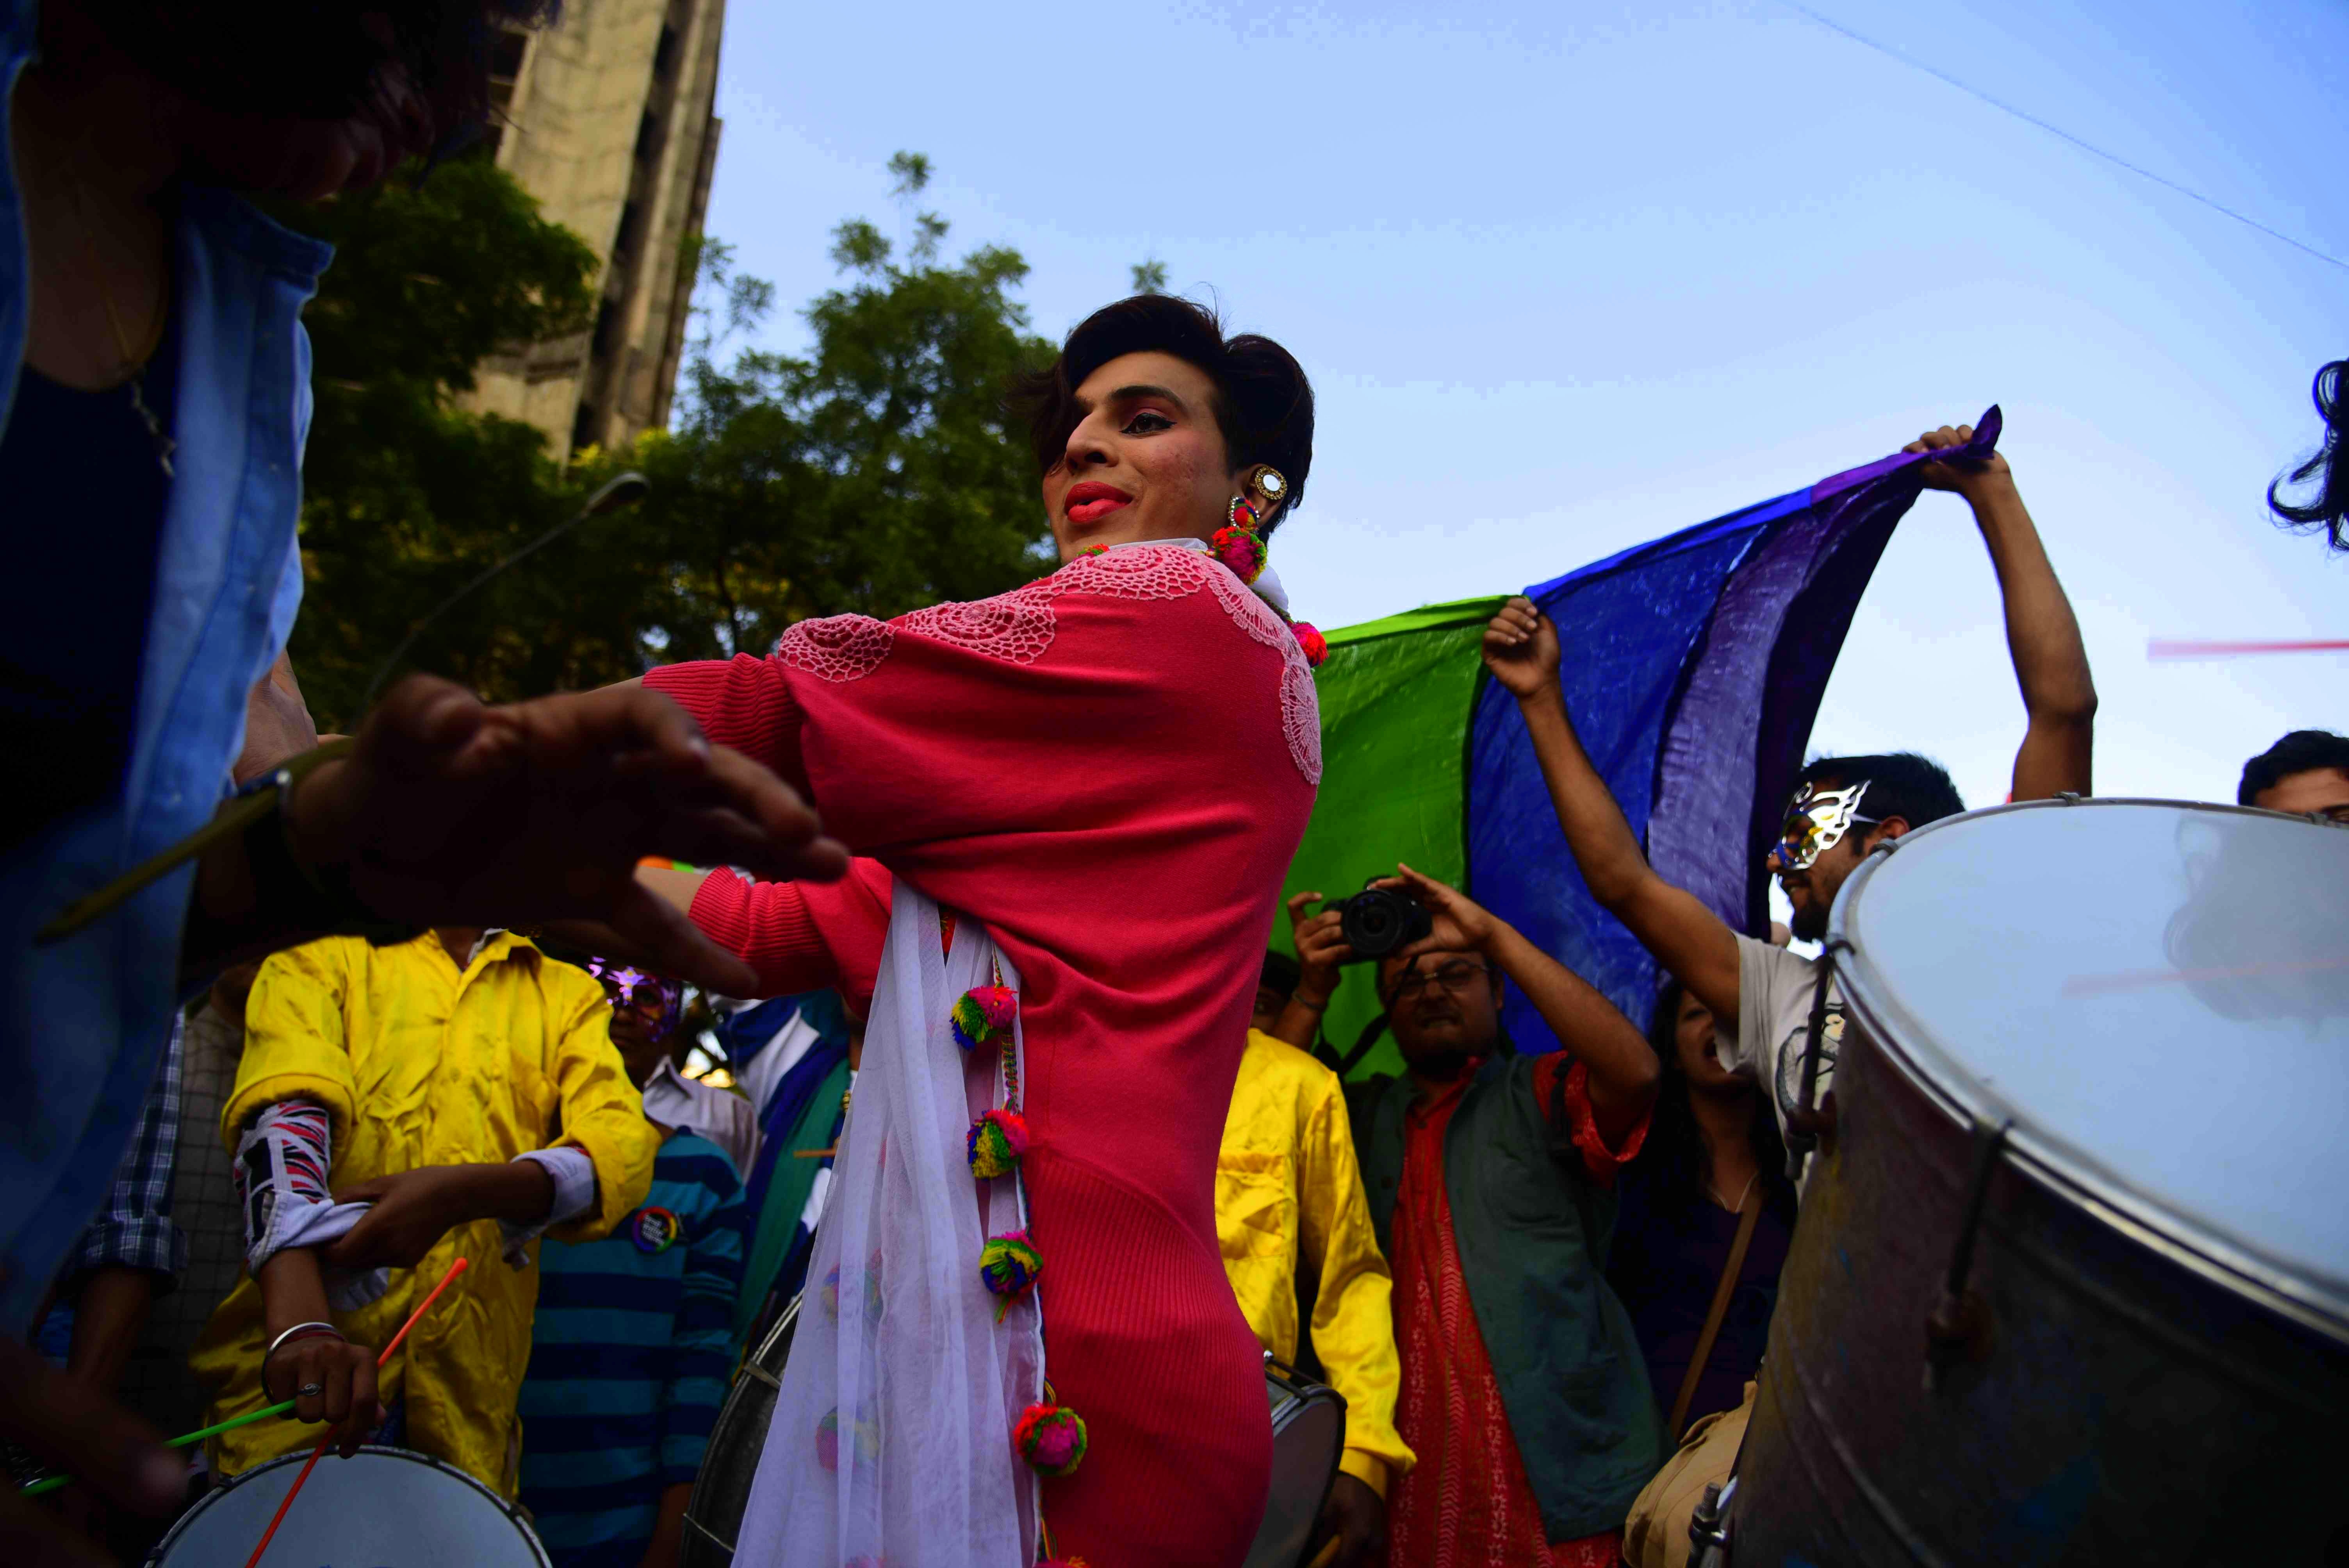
2327 508
1280 972
1680 1166
1899 784
2301 752
319 59
1263 403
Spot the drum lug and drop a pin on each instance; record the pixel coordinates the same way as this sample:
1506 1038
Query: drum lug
1958 1328
1709 1526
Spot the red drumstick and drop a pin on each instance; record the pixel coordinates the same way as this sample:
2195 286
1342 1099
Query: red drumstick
2174 648
325 1442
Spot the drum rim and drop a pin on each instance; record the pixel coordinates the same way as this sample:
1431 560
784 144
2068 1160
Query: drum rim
2177 1234
513 1510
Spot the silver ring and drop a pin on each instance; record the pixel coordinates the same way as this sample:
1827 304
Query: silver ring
309 1390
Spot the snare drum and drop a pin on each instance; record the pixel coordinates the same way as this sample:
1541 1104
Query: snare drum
722 1488
1309 1436
384 1508
2071 1284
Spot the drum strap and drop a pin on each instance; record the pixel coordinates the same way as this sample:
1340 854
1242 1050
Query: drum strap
1748 1214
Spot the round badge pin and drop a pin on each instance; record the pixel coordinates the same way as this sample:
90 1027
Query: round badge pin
654 1230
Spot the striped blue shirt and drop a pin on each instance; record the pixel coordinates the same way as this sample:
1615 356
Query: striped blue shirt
630 1352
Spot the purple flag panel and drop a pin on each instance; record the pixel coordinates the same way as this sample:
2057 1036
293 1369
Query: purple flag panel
1694 667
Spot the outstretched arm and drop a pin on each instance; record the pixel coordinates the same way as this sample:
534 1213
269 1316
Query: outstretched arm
1623 1069
1521 649
2051 661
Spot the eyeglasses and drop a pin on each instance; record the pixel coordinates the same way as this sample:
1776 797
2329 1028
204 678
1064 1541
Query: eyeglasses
1816 822
1459 977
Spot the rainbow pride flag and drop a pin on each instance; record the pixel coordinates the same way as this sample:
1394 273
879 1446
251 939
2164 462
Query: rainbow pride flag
1694 667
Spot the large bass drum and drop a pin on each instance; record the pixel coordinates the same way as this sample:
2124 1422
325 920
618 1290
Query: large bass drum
2071 1284
383 1507
722 1488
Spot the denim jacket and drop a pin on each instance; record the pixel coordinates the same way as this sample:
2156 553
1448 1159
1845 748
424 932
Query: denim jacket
83 1022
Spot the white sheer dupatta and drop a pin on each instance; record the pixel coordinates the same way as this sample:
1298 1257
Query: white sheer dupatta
891 1441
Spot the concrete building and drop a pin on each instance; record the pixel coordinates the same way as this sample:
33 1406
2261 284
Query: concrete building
610 120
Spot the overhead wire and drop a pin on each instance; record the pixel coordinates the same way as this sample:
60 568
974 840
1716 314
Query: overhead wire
2057 131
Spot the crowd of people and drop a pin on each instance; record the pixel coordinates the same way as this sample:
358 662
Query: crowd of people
295 1024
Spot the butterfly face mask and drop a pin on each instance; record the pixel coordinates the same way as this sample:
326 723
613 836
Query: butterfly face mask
1816 822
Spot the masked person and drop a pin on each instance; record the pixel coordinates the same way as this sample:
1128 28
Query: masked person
397 1108
1491 1180
1289 1208
1842 806
632 1343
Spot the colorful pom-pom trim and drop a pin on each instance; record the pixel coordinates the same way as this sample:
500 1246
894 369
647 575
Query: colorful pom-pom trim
1309 638
1051 1438
866 1435
983 1016
998 1139
1241 551
1008 1265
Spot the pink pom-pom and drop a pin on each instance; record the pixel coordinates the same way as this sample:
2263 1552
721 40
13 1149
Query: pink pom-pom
1316 646
1241 551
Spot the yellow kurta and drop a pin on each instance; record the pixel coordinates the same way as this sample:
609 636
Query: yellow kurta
418 1064
1286 1183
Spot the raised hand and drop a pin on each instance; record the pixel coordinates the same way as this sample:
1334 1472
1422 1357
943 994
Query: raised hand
1965 478
1521 649
451 812
1321 947
1459 923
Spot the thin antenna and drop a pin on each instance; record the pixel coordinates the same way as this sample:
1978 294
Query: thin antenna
622 489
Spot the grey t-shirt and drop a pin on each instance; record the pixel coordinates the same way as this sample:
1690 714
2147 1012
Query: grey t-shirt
1774 987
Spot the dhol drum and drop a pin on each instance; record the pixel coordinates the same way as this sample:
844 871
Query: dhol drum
1309 1436
721 1490
2071 1284
381 1507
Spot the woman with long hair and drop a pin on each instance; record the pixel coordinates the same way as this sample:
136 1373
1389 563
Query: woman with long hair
2325 509
1713 1147
1079 799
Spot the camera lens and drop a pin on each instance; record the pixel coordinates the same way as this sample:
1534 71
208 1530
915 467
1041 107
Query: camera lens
1377 920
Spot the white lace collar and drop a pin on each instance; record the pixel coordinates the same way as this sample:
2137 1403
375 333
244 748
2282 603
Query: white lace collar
1266 584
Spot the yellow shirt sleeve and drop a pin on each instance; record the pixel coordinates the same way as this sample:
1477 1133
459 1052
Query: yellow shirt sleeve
295 1044
602 1113
1353 1317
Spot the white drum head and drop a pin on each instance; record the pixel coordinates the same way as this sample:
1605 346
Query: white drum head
382 1508
2156 994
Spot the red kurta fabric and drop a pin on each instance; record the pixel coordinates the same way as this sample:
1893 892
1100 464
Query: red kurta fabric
1467 1503
1109 768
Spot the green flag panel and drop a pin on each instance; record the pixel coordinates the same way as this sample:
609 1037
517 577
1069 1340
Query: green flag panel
1396 695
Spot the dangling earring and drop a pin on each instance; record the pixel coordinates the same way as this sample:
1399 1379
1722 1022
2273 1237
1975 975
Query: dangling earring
1237 544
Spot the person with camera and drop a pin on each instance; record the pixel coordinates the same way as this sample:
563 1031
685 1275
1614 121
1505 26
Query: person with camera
1490 1179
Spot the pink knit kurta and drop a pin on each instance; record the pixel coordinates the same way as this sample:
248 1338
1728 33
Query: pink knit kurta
1111 768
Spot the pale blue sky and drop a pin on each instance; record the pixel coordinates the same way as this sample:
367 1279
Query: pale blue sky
1570 277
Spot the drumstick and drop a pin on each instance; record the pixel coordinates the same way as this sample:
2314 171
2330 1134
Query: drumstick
325 1442
2173 648
49 1484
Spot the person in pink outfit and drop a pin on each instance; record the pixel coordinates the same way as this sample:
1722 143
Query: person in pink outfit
1108 772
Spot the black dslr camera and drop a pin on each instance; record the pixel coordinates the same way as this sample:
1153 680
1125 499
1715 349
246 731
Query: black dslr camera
1378 921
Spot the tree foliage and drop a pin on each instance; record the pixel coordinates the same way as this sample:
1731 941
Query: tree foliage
875 474
405 496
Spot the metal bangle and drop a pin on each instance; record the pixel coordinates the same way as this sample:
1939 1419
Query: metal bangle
296 1330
